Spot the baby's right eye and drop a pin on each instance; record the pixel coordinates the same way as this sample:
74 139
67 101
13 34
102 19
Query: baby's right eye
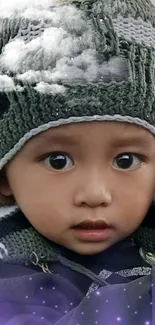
59 160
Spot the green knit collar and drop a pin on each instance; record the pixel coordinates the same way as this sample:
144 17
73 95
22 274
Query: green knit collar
21 243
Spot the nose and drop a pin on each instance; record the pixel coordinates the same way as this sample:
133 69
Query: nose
93 193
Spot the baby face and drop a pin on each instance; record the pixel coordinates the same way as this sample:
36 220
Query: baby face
85 186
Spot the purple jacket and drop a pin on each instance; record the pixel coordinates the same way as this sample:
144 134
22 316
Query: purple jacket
63 288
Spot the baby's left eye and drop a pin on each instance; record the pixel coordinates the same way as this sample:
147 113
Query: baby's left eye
127 161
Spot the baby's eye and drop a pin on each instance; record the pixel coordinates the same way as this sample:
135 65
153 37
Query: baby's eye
59 160
127 161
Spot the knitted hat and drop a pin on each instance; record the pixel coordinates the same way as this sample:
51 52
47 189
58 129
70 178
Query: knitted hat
65 62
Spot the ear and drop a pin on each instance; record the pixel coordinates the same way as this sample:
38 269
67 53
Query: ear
5 188
153 198
6 195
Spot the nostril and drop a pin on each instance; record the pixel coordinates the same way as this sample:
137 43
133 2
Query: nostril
93 199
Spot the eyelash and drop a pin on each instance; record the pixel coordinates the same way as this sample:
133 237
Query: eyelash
138 155
48 154
143 157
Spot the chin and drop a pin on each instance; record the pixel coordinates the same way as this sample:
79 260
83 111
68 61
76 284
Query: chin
90 248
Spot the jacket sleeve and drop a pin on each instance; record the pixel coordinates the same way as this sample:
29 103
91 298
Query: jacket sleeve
38 299
21 303
131 303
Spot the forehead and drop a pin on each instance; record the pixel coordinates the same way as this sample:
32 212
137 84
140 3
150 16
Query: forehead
94 131
77 129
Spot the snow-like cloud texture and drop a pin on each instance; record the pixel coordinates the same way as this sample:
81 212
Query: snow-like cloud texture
61 50
9 7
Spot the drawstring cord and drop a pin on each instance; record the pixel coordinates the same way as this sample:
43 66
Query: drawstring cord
43 266
81 269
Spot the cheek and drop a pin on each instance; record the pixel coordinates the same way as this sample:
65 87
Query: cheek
35 187
133 205
44 201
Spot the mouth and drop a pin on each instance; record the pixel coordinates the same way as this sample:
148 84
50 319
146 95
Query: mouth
92 231
89 224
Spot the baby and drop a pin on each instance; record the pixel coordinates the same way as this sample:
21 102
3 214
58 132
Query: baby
77 162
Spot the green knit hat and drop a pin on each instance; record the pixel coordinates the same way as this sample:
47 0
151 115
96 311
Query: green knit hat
65 62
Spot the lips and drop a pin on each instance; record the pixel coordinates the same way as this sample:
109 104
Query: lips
92 231
88 224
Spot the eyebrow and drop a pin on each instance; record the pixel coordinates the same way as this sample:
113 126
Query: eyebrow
131 140
58 139
134 140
